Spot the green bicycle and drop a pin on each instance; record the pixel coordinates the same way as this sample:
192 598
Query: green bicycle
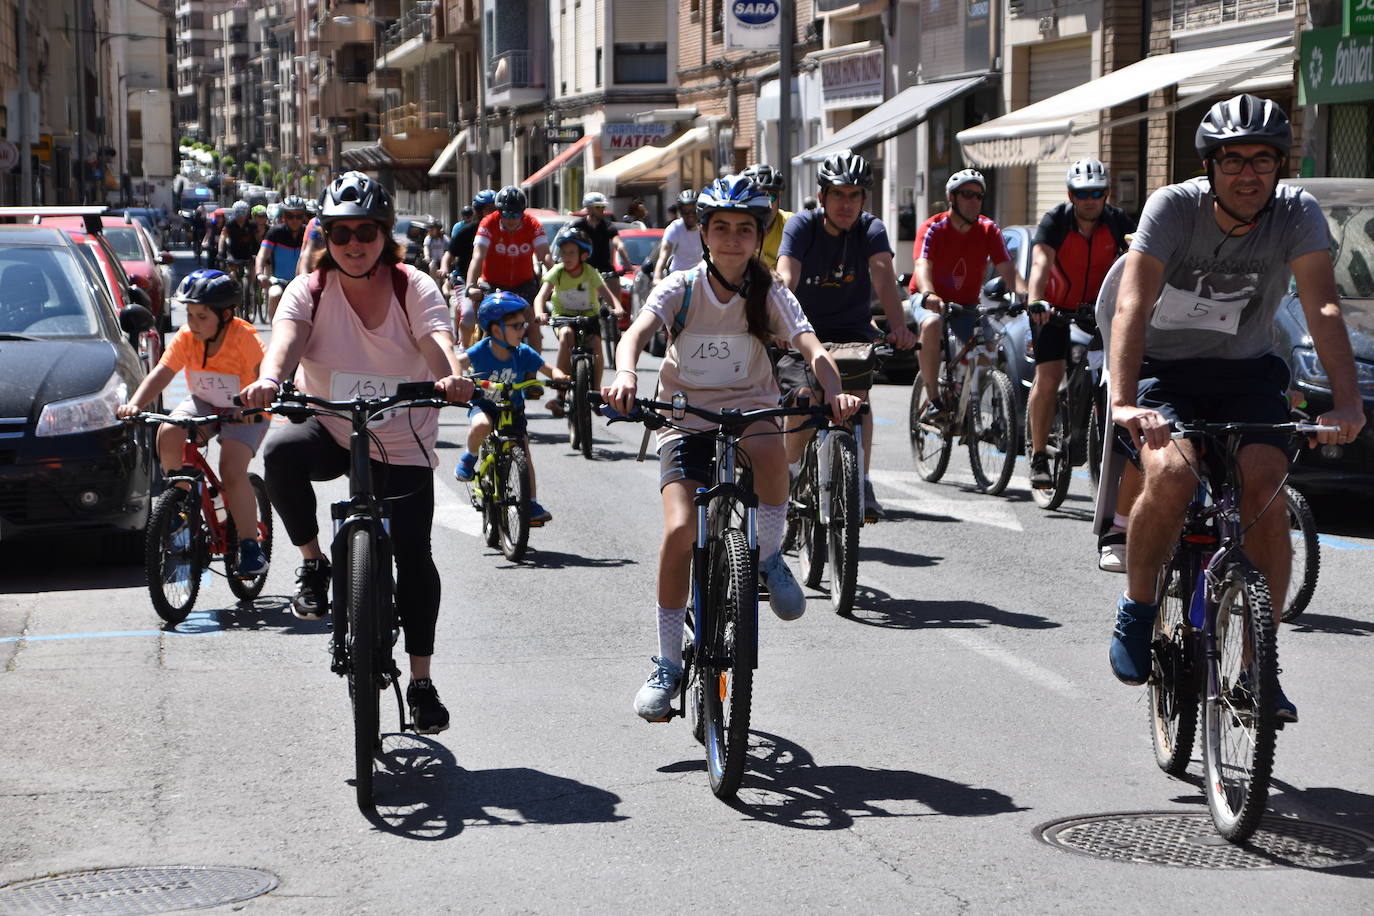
500 487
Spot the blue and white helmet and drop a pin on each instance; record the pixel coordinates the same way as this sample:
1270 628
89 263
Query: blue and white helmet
734 193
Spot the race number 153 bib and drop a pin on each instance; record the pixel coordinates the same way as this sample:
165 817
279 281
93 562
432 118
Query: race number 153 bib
1177 310
714 360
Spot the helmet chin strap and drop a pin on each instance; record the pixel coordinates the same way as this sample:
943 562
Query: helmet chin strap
366 276
1242 222
741 290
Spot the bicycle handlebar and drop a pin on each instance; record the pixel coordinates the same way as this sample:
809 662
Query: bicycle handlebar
291 403
182 421
1218 430
984 311
645 411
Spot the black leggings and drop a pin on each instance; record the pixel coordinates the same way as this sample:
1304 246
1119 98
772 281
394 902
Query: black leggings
297 454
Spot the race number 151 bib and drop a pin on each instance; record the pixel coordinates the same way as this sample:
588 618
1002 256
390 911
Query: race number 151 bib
1177 310
345 386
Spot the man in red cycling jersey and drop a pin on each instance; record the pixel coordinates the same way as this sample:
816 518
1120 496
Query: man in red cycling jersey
504 252
1075 245
952 252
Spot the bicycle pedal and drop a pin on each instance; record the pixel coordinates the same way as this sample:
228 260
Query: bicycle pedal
538 524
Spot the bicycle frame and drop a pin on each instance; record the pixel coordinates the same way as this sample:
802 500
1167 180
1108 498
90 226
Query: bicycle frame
709 524
969 371
505 419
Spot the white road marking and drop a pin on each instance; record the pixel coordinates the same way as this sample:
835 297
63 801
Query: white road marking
925 500
453 510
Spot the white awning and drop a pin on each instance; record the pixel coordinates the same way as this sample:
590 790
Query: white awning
908 107
1042 130
647 164
449 155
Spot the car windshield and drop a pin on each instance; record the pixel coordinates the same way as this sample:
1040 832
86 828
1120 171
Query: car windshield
639 246
42 294
1352 231
124 241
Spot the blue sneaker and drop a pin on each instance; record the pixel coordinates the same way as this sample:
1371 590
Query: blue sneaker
465 466
785 596
252 563
1285 710
538 514
1130 650
654 700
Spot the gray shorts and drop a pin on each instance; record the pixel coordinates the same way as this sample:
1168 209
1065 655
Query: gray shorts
248 430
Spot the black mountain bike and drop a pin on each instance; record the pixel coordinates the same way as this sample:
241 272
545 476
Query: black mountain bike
584 382
1214 641
363 592
720 635
981 406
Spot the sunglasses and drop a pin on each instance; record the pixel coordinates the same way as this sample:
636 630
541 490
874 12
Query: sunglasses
293 216
342 235
971 195
1093 194
1263 164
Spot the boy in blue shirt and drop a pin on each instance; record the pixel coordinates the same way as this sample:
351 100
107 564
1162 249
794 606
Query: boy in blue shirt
503 356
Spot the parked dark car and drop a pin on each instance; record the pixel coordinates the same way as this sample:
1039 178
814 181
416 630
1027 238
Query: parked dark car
1349 207
66 464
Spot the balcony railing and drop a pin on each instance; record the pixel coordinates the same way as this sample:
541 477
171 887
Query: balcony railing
1201 14
414 23
513 70
414 116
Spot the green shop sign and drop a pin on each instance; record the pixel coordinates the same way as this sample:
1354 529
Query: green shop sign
1357 17
1336 68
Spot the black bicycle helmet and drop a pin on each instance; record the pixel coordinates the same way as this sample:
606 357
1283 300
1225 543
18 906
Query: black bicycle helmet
845 168
354 195
688 197
511 201
765 176
1243 119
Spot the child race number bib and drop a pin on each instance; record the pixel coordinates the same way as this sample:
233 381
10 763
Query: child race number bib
714 360
215 388
1177 310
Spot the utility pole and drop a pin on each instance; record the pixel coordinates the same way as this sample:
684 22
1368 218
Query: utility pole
25 163
787 30
81 100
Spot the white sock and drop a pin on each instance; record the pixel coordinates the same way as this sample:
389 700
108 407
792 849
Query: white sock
670 621
795 467
772 525
1120 521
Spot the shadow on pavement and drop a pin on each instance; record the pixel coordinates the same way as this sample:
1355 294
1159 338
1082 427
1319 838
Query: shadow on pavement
1329 623
423 794
553 559
270 612
784 785
876 608
67 565
889 557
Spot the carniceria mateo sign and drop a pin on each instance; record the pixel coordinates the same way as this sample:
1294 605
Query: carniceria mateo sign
1335 68
752 24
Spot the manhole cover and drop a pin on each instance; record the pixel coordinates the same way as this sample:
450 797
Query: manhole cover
1190 841
118 891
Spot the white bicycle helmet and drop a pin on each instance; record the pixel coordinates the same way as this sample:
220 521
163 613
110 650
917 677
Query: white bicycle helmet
1087 175
961 178
595 199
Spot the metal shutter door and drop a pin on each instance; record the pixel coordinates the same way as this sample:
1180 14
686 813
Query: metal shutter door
1055 68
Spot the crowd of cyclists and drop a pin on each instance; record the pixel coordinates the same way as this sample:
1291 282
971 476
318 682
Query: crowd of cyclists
748 296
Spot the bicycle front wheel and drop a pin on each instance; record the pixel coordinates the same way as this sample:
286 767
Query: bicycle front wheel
514 503
992 433
582 408
248 589
363 689
727 678
846 519
1307 554
1061 471
1173 683
806 504
171 560
931 443
1239 723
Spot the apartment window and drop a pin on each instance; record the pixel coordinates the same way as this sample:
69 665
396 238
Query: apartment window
1197 14
641 62
717 15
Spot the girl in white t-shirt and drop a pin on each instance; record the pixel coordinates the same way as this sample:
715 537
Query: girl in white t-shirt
736 303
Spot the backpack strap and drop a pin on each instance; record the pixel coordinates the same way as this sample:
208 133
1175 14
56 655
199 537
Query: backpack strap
316 287
400 285
680 319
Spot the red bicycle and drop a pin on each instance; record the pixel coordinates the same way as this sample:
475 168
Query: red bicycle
190 528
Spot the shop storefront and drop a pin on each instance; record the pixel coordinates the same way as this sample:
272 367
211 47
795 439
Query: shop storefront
1337 77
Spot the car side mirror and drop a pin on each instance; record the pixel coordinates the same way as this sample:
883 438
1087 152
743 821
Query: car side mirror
136 319
140 297
996 288
166 258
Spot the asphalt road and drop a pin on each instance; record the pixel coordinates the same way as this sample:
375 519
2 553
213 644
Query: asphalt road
901 760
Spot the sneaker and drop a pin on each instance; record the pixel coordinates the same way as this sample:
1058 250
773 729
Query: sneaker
1130 649
428 716
935 411
1040 477
873 510
1112 551
556 406
654 701
312 590
251 561
462 471
538 514
1285 710
784 594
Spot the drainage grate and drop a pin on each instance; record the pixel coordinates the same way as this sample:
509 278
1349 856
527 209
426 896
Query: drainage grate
1190 841
120 891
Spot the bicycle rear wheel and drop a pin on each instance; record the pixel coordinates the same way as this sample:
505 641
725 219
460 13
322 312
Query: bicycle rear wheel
992 436
1060 466
727 677
1239 723
1307 554
931 444
581 407
248 589
363 689
513 503
846 518
171 558
1173 682
806 504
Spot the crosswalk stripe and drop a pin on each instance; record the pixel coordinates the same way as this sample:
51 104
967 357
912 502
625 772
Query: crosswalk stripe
453 510
924 500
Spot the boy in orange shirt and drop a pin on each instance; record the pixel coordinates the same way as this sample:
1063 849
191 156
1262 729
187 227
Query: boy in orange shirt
221 355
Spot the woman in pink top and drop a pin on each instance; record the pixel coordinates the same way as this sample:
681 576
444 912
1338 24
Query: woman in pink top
345 329
734 306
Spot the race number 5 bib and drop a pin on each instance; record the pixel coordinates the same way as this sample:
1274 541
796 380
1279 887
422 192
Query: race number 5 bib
345 386
215 388
715 360
1177 310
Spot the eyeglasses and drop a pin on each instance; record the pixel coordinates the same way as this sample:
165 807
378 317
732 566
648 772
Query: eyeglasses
342 235
1263 164
516 325
293 216
971 195
687 211
1089 194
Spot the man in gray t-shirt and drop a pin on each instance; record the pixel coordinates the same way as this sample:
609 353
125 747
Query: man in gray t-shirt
1191 340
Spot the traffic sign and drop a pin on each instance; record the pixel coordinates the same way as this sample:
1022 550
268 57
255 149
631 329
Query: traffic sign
9 155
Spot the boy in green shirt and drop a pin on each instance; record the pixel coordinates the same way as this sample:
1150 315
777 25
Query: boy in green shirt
570 289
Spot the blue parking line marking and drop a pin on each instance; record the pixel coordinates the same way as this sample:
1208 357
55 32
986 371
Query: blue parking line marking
1335 543
882 421
199 623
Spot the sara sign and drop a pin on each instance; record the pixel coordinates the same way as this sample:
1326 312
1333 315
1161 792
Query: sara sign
752 24
1334 68
623 136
